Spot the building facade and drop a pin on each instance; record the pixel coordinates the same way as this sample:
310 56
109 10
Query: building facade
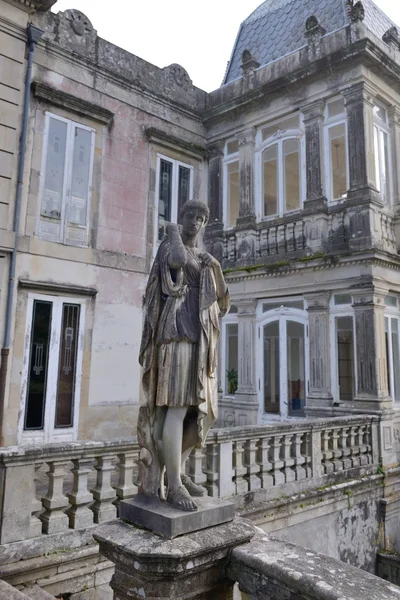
298 156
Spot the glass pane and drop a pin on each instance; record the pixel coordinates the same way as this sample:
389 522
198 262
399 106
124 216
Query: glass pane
80 177
396 359
183 187
270 160
272 393
345 353
164 197
388 358
284 125
377 160
39 353
385 166
336 108
296 368
342 299
391 301
67 366
231 358
232 147
337 144
233 193
55 168
288 303
292 174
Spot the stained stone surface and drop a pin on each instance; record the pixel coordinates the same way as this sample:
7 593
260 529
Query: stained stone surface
168 522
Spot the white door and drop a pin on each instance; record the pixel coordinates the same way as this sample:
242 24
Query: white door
282 369
52 370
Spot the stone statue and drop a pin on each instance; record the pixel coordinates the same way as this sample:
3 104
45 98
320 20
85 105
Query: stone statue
186 294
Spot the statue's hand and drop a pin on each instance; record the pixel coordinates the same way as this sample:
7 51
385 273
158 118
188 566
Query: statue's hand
172 230
209 260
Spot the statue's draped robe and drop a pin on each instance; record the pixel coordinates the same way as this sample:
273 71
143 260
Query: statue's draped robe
180 334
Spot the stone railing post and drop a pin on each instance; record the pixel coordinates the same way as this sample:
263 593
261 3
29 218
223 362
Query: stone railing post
316 453
372 389
17 491
319 396
104 495
79 512
125 487
246 398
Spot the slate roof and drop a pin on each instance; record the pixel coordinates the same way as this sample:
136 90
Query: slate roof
276 28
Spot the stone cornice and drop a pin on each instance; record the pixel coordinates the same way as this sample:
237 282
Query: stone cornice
33 5
56 97
157 136
60 288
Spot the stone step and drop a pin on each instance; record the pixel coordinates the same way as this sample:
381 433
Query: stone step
36 593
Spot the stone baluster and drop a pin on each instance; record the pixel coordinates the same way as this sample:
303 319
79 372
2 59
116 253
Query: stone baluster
288 460
79 512
299 459
365 448
103 494
54 518
281 239
344 443
336 451
273 241
36 524
327 454
354 447
299 235
125 487
264 242
211 471
290 237
263 449
241 485
253 468
277 463
195 466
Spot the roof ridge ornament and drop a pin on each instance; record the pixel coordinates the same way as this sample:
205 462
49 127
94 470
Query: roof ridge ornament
249 66
391 38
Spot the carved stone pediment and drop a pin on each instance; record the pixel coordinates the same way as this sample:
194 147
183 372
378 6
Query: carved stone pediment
33 5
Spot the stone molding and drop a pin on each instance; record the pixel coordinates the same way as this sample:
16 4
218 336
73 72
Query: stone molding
60 288
247 136
157 136
45 92
359 92
33 5
318 301
313 112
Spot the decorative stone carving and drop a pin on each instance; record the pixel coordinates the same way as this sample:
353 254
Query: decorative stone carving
314 32
178 75
249 66
391 37
79 22
357 10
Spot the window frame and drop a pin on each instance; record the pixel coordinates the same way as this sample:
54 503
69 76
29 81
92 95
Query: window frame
329 123
228 159
49 433
280 137
338 311
229 319
174 191
392 312
64 225
382 127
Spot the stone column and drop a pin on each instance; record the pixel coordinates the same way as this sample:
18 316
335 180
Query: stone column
313 123
214 234
319 397
190 567
360 141
372 390
246 231
246 397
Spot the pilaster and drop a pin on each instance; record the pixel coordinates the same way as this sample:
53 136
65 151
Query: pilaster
214 233
319 392
371 364
246 165
246 397
394 124
313 120
360 141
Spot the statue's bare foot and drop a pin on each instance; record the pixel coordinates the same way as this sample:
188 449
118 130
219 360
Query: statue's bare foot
180 498
192 488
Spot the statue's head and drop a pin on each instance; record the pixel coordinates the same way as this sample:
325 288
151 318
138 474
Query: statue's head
194 216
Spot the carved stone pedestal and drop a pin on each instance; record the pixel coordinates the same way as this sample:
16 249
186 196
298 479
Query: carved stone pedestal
188 567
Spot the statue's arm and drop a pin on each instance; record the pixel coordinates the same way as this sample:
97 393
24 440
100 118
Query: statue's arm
177 253
220 283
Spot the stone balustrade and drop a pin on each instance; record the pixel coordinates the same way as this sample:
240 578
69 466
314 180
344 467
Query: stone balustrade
52 488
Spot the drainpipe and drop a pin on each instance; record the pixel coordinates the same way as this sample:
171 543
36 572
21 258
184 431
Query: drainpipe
34 34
